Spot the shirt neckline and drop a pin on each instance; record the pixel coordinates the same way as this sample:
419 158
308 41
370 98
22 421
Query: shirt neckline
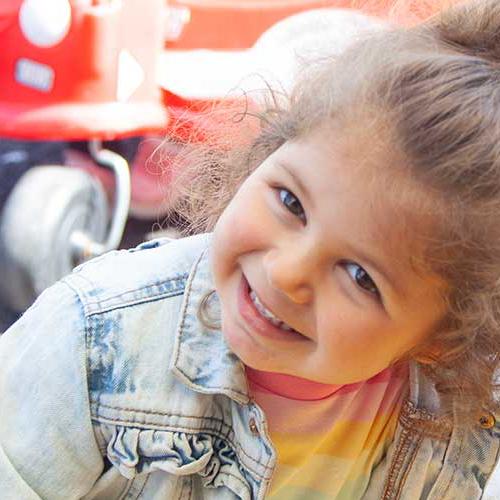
289 386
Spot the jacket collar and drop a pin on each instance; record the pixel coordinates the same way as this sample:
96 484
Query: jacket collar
423 393
201 357
204 362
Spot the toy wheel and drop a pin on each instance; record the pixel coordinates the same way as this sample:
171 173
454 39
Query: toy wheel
45 207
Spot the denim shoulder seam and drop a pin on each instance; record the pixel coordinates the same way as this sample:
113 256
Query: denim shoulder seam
180 278
87 337
84 332
135 302
170 287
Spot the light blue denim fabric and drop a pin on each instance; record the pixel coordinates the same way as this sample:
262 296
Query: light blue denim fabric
111 388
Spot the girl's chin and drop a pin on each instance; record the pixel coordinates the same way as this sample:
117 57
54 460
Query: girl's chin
248 352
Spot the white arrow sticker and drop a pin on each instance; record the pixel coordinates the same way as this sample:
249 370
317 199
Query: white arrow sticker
130 76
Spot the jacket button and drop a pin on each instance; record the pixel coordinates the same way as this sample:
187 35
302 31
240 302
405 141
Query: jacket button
252 425
487 421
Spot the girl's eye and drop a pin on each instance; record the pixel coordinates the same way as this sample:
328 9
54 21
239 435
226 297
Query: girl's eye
292 203
362 278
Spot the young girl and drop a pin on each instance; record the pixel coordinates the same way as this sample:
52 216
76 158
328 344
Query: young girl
337 334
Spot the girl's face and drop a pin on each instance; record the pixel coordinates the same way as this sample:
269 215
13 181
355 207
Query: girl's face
312 263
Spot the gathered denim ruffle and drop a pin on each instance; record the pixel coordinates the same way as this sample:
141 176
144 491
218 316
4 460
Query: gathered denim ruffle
136 451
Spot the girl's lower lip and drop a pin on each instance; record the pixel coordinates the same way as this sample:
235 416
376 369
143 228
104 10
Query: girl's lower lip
255 321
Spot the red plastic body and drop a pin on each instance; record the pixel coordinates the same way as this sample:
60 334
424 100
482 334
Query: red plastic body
237 24
83 99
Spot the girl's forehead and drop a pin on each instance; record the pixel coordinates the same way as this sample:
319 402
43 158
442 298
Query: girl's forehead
351 159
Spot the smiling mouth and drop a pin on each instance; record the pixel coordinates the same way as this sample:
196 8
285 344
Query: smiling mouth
260 319
264 311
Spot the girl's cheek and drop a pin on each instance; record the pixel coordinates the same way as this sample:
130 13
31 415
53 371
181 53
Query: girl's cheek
250 221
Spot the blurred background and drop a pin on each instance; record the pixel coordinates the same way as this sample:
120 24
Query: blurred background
98 98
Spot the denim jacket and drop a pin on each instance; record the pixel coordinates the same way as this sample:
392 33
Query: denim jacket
112 388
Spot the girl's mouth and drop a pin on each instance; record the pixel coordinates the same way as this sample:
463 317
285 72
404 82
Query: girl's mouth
267 313
259 318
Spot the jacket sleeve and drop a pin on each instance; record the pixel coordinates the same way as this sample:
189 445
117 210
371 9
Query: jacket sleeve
47 444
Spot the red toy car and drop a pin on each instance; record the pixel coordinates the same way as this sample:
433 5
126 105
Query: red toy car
73 72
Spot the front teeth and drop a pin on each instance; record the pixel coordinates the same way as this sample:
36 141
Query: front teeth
268 314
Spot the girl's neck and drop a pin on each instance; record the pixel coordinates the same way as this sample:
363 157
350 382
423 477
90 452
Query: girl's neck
289 386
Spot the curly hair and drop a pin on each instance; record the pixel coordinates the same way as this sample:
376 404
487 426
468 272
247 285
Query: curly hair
435 88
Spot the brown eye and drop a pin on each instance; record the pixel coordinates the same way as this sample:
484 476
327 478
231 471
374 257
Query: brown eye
291 203
362 278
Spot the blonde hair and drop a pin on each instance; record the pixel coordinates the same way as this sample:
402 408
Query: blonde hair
435 88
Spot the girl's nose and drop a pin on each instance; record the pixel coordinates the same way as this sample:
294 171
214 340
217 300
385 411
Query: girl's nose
290 273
